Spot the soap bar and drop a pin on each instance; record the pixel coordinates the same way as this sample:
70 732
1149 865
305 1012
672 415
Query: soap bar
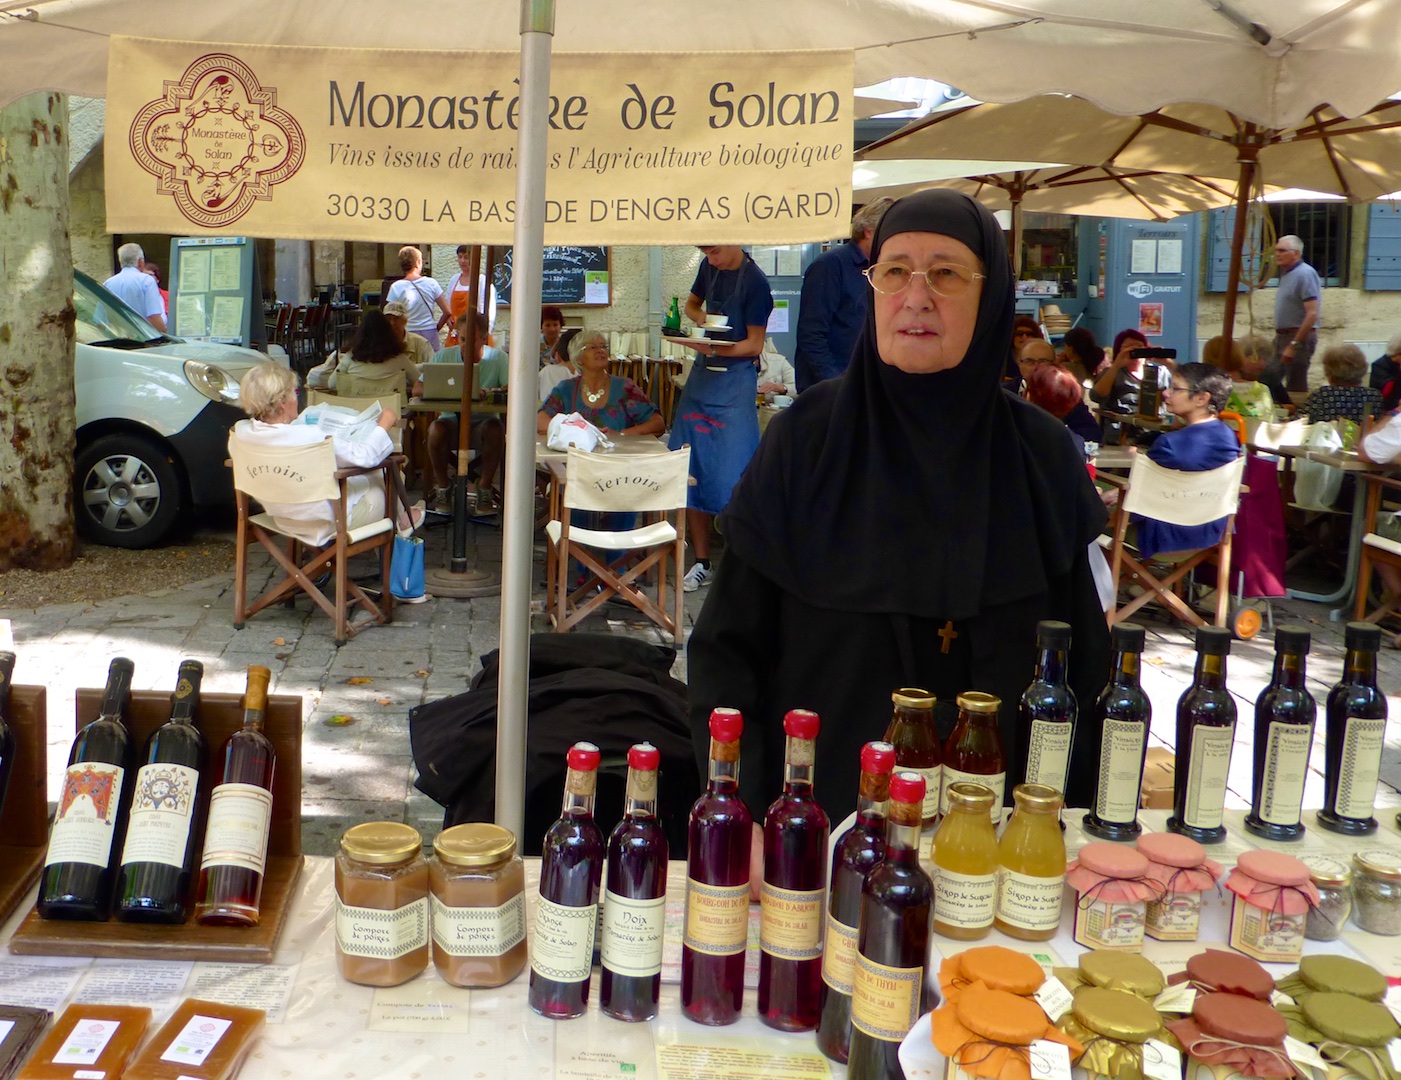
20 1029
89 1042
202 1040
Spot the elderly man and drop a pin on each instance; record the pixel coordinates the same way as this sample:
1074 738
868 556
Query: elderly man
137 289
1298 307
416 345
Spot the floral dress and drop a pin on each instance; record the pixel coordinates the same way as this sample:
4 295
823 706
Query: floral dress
625 406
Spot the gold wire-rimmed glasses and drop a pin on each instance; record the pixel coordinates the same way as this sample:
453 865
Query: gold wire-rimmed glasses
943 279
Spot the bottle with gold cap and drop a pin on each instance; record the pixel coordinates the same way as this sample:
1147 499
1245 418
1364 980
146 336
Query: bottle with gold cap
916 741
1031 874
381 904
974 753
965 856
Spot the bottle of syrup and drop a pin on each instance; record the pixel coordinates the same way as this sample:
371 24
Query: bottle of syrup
566 918
7 735
965 854
1126 716
1354 734
1048 710
634 907
974 753
1031 871
240 815
1206 728
85 840
916 741
717 884
888 991
795 884
162 835
1284 719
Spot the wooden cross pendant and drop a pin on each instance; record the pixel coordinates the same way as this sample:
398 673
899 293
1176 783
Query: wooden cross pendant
948 633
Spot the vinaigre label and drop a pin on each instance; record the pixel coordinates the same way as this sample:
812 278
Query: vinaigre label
790 922
1120 770
1361 767
479 931
996 781
1286 763
379 933
1048 756
885 1001
717 918
632 935
87 810
1206 777
839 955
562 946
965 900
162 806
1028 902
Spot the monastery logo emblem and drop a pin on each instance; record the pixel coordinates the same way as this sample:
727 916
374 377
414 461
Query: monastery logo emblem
217 142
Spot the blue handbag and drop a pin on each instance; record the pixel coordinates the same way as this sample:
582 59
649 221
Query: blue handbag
406 568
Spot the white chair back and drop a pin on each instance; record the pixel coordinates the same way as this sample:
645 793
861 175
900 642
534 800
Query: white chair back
1271 436
284 474
627 481
1183 498
379 386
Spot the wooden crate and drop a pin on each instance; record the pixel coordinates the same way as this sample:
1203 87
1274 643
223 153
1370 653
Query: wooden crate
24 822
219 717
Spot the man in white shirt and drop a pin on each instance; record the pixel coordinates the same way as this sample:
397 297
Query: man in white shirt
137 289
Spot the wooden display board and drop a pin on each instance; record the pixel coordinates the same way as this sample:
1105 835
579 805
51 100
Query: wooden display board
571 277
219 716
24 822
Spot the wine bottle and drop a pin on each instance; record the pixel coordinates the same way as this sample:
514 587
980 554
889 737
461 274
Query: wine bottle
795 884
163 832
888 991
566 918
240 814
1206 728
634 907
86 838
1048 710
1354 731
7 736
1126 716
974 753
717 884
1284 719
857 850
916 741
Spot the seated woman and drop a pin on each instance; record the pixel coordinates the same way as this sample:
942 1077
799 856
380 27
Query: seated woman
1248 397
560 367
268 394
1260 366
1344 396
1197 393
1381 445
776 374
1117 386
1082 354
1024 329
376 353
611 403
1057 391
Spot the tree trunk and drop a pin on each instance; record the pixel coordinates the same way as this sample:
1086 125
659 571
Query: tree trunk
36 336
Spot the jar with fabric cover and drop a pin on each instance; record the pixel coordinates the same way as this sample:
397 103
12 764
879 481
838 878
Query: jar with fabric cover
1376 892
1113 886
1233 1035
1349 1033
1179 865
1131 973
1216 971
988 1033
1273 895
996 967
1333 880
1115 1029
1333 975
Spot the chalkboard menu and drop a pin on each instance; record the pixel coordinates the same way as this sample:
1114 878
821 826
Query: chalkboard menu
572 276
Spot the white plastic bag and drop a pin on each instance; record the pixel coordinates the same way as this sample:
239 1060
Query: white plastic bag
1316 485
571 429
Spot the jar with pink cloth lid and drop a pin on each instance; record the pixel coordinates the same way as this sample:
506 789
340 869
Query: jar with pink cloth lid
1179 865
1273 895
1113 886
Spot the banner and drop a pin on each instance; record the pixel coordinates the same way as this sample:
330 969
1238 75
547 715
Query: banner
392 146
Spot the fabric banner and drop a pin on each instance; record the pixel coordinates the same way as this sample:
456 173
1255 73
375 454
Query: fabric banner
392 146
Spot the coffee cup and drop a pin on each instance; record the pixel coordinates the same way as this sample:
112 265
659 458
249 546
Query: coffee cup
782 401
698 331
717 322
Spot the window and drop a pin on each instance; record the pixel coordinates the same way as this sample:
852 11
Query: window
1323 227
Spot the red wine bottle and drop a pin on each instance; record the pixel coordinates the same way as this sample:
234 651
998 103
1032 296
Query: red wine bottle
1284 717
634 906
888 991
717 884
7 736
1048 710
86 838
795 884
162 834
566 918
1206 729
240 816
1126 716
857 850
1354 734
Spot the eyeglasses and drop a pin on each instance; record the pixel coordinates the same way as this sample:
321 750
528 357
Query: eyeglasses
1022 331
596 345
1173 388
943 279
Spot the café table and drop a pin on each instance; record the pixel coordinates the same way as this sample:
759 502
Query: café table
429 409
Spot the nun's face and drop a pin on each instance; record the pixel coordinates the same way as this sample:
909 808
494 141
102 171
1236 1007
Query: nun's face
917 330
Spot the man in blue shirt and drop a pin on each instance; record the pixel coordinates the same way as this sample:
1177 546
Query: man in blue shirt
132 284
1298 307
832 307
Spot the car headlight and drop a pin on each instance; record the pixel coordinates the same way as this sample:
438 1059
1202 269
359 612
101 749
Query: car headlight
214 383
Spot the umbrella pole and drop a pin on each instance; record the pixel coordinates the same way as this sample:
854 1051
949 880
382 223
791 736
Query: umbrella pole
1246 184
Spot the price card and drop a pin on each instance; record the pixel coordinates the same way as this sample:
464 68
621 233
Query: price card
1393 1049
1176 999
1278 999
1050 1060
1161 1061
1393 1001
1301 1053
1054 998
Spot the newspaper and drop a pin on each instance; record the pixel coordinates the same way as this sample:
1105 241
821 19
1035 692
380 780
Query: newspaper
343 423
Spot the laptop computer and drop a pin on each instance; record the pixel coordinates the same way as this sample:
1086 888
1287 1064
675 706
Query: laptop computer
442 382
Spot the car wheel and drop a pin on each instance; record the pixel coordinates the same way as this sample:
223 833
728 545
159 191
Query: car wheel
126 492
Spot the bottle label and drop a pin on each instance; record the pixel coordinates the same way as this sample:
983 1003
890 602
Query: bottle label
633 931
237 834
996 781
885 1001
1029 902
965 900
1360 768
1105 925
561 948
790 922
933 787
1120 770
1048 756
196 1039
479 931
1286 764
380 933
86 1041
162 807
1206 776
839 955
87 811
717 918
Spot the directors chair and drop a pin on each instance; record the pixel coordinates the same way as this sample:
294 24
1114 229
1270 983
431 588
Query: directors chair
1376 548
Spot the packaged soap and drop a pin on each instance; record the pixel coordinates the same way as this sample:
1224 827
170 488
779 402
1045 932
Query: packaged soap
202 1040
89 1042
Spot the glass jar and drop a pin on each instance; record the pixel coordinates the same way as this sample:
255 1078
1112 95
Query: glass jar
974 753
911 731
381 904
1031 856
1334 882
478 886
965 856
1376 892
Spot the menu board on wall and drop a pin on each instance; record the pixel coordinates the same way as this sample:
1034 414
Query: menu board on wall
212 289
573 276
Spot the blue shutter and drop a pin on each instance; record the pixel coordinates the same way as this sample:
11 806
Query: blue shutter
1382 269
1221 223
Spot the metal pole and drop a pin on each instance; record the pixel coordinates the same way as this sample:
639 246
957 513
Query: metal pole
518 517
469 346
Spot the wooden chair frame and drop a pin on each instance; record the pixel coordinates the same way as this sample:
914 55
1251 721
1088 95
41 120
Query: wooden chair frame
1374 550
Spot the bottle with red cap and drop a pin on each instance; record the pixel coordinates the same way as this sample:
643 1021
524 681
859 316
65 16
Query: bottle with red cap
857 850
795 883
571 862
717 884
634 904
888 990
